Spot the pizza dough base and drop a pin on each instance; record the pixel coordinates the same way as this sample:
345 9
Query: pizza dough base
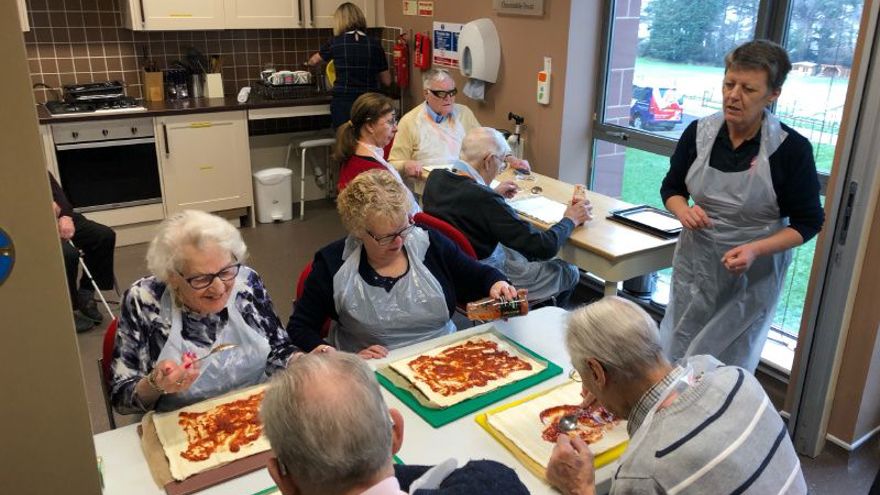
401 366
522 424
174 439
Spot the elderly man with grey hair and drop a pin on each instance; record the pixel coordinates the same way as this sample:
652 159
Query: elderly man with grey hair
332 434
432 133
499 236
697 426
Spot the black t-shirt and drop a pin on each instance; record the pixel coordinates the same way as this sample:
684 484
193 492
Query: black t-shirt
358 60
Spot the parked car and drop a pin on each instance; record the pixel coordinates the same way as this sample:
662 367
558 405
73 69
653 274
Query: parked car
655 108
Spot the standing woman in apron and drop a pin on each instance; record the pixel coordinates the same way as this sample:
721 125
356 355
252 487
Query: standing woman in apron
359 61
755 196
389 283
200 295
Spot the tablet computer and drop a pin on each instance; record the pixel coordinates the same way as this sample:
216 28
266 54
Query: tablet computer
648 219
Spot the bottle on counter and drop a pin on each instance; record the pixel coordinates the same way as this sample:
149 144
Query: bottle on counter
580 194
493 309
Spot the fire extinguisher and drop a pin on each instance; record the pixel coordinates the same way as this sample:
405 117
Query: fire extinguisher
401 62
422 57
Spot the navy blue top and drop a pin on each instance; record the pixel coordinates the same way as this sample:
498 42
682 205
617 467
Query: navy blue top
792 170
357 63
462 279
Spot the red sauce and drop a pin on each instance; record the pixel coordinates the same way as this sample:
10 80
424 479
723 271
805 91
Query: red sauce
226 427
473 363
592 422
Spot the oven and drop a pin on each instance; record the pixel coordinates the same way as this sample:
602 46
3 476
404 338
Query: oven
108 164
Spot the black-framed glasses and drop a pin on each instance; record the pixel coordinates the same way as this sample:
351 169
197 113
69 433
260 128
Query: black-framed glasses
388 239
203 281
439 93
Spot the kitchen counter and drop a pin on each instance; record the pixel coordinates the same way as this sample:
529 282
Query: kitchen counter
180 107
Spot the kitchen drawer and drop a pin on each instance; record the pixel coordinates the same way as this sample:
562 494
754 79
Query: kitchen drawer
84 132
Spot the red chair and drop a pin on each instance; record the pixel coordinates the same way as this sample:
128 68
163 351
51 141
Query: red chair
300 285
104 367
448 230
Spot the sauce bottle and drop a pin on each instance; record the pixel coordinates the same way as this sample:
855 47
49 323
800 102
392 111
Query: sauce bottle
493 309
580 194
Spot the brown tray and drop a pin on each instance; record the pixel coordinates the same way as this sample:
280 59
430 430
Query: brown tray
206 479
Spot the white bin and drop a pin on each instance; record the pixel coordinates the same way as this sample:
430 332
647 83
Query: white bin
273 195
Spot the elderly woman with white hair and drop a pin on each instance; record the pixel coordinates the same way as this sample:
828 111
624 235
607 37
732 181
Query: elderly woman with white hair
695 427
389 283
200 295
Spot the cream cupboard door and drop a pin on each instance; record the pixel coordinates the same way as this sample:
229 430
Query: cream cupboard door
320 12
170 15
22 16
205 161
263 14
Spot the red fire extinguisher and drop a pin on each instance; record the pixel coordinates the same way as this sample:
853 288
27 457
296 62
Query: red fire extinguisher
422 56
401 62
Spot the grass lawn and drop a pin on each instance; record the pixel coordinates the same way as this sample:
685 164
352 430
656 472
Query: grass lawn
643 174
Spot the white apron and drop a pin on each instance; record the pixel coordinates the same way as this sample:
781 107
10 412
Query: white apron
236 368
414 310
439 143
379 154
711 310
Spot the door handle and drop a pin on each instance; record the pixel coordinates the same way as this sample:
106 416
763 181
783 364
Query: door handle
302 15
312 13
165 139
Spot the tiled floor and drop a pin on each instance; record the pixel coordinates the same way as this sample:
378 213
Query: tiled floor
279 252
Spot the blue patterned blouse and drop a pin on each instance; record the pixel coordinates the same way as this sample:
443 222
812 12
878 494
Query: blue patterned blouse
143 331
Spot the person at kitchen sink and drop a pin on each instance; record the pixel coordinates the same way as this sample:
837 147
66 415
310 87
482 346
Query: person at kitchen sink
95 243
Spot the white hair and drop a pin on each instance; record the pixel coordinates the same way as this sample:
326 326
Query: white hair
190 228
435 75
327 422
617 333
480 141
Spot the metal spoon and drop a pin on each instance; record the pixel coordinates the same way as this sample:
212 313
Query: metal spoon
568 423
215 350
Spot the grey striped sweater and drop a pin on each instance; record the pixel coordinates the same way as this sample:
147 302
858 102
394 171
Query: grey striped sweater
721 436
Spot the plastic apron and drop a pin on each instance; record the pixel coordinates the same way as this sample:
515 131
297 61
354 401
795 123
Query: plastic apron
229 370
378 154
439 143
543 279
711 310
412 311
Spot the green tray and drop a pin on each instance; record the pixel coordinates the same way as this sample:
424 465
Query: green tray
440 417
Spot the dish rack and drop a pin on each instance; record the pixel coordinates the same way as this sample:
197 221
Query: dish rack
286 91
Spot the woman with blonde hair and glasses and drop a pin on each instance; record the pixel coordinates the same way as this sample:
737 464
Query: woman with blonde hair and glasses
359 61
389 283
200 295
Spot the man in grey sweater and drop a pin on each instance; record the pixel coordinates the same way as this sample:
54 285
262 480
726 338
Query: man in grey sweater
695 427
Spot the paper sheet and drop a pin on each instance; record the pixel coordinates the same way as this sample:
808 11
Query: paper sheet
522 424
402 367
656 220
174 439
540 208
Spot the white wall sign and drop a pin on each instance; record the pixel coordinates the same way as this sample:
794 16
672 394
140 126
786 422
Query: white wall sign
445 44
519 7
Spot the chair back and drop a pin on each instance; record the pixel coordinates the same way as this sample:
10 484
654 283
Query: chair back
107 349
300 285
446 229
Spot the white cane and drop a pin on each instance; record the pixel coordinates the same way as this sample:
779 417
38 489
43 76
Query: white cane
92 280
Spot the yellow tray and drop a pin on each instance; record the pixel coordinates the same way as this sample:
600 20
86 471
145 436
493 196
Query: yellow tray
538 470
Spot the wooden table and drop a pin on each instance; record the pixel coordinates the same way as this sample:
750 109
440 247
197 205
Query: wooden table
610 250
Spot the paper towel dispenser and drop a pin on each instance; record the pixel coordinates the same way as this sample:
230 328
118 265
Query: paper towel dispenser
480 50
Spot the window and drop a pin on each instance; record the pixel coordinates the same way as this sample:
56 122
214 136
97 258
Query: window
664 63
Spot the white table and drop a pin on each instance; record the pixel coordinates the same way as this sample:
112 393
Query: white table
126 472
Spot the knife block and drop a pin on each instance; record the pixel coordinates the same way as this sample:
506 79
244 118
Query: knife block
214 85
154 89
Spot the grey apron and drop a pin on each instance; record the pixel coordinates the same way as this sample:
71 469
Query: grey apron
223 372
711 310
412 311
543 279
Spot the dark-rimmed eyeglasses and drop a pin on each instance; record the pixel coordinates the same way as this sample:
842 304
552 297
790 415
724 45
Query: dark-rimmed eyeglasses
388 239
439 93
205 280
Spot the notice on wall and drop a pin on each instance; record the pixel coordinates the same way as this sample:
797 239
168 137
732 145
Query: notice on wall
445 44
426 8
519 7
410 7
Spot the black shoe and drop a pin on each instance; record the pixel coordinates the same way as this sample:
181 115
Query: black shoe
87 305
81 322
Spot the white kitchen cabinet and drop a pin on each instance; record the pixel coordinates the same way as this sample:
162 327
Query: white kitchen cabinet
205 161
22 15
173 15
319 13
263 14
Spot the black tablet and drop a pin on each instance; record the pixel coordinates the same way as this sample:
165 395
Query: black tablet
648 219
